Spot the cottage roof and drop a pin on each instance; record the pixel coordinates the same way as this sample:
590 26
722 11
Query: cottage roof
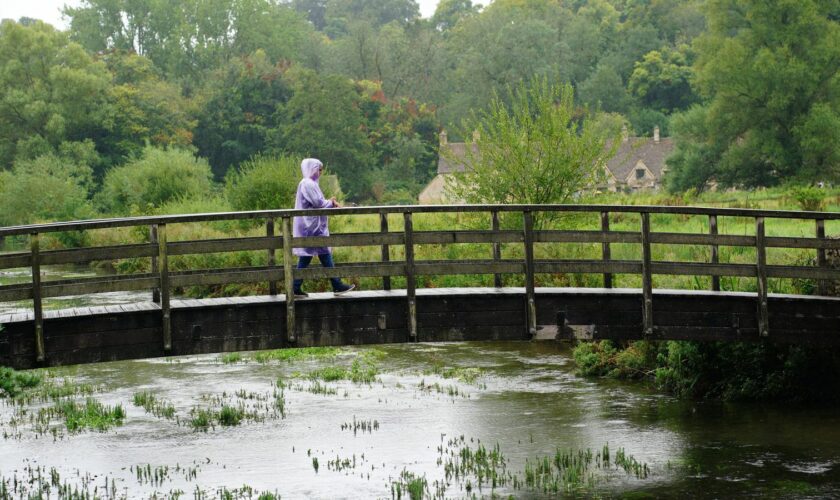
644 149
458 150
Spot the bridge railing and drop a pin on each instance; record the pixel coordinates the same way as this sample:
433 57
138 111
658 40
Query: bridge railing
162 280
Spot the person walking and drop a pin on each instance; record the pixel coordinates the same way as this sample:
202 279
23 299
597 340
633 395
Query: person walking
309 195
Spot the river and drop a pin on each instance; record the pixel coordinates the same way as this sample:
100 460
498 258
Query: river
417 412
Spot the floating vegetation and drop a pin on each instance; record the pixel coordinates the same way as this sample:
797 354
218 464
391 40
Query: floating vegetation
156 476
467 375
570 470
410 486
40 482
153 405
449 390
360 426
242 492
316 387
91 415
229 410
360 372
296 353
230 358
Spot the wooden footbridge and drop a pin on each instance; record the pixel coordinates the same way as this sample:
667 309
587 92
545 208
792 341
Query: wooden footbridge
514 244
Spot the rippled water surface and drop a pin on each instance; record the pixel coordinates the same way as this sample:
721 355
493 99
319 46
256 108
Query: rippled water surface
423 408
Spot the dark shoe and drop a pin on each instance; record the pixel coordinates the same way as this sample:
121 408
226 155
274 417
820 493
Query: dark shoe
300 294
342 289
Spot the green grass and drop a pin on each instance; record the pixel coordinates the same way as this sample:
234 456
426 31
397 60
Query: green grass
13 383
297 353
90 415
231 357
153 405
360 372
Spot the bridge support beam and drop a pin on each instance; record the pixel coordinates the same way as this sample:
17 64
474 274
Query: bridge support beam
531 303
165 309
761 274
289 278
647 278
410 279
37 305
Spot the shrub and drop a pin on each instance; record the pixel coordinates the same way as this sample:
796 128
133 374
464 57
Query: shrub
156 178
263 183
809 198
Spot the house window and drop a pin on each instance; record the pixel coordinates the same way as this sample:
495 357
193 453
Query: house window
640 173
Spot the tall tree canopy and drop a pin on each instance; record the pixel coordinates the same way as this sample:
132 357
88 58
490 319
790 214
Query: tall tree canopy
769 72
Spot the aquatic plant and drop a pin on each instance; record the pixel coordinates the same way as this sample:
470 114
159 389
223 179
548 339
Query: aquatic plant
13 382
91 415
361 425
231 357
411 486
229 416
296 353
153 405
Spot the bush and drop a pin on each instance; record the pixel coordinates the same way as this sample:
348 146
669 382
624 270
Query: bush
263 183
809 198
156 178
45 189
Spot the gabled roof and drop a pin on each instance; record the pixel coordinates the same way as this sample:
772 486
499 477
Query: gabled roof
458 150
645 149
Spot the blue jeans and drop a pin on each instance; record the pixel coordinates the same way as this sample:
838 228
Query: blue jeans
326 261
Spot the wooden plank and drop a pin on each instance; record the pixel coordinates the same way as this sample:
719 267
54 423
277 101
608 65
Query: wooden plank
410 280
530 301
588 266
789 242
223 245
90 254
702 269
153 239
13 260
288 271
9 293
272 254
386 252
430 268
822 263
205 277
476 236
348 240
163 262
85 286
586 237
701 239
605 247
263 214
37 304
715 258
497 247
647 280
813 273
374 269
761 274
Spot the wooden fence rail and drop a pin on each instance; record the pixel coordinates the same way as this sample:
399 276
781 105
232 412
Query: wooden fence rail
162 280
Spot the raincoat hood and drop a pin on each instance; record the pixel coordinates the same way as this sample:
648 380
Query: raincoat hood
310 168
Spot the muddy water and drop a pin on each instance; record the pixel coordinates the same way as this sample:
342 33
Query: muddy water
525 398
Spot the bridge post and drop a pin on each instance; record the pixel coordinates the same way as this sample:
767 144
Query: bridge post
822 285
410 279
761 275
531 303
37 305
713 230
163 263
272 254
647 278
153 239
386 252
289 278
605 246
497 247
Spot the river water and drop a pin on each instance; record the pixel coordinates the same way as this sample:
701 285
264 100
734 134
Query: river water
414 411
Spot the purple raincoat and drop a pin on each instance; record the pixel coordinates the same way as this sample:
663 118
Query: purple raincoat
309 195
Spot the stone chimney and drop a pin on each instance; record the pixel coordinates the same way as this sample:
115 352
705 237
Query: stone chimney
625 134
443 139
656 134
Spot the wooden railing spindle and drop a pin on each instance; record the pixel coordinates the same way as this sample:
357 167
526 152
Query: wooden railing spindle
386 250
761 273
410 279
497 248
647 278
713 230
163 264
530 296
822 285
153 239
272 254
37 305
289 278
605 247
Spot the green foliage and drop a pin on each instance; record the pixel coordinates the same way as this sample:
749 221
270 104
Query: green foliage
264 183
661 80
45 189
92 415
720 370
809 197
535 151
769 74
156 178
13 383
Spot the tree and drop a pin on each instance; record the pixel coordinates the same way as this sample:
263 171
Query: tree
449 12
538 150
323 120
662 80
51 92
769 74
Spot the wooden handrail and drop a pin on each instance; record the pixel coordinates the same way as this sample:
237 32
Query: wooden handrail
159 250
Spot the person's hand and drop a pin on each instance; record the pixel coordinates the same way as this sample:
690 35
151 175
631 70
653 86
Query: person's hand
335 203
